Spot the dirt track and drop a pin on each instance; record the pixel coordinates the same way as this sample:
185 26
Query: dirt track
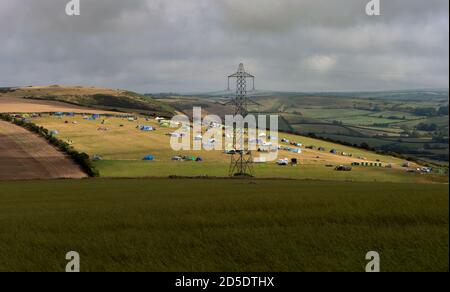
25 155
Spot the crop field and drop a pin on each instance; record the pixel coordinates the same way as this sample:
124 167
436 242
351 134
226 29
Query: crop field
25 155
212 225
123 147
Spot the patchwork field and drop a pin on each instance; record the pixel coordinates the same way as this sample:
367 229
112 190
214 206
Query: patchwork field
222 225
122 147
24 155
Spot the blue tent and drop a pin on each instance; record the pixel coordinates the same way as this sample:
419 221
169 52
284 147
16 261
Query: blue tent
149 158
334 151
147 128
96 116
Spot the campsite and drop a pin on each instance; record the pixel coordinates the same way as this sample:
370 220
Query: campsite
124 142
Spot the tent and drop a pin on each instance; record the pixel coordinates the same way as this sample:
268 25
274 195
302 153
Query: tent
175 135
97 157
96 116
199 159
333 151
146 128
293 150
149 158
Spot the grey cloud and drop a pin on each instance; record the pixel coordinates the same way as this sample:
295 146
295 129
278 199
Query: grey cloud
179 45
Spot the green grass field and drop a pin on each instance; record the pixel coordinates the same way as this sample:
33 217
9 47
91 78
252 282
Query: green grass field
222 225
137 168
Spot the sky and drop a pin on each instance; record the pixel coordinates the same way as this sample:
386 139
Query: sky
192 45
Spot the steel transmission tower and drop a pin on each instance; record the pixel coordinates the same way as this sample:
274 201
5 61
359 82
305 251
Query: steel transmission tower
241 161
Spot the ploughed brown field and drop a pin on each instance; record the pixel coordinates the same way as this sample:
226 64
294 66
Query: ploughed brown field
25 155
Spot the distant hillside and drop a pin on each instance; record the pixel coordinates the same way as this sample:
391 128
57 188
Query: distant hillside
441 95
101 98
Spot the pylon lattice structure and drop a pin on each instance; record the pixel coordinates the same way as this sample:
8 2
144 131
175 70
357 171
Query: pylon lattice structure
241 161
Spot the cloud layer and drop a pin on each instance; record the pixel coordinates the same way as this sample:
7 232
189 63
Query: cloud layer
185 46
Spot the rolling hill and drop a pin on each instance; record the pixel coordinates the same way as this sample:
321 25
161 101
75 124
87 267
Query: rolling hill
93 97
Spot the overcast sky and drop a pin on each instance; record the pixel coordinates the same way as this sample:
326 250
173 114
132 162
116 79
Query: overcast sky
192 45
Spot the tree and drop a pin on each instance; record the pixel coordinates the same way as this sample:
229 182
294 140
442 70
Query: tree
443 110
427 127
425 111
364 145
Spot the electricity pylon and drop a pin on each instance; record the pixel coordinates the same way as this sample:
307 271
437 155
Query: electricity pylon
241 161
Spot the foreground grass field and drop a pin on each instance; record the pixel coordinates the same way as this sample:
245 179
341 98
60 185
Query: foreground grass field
212 225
